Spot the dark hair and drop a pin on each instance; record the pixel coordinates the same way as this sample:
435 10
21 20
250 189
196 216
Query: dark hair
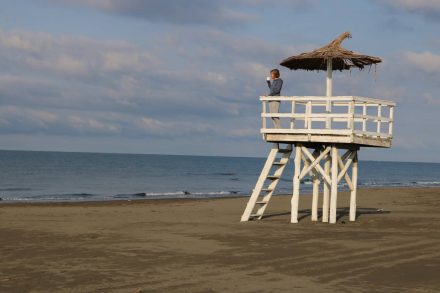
276 71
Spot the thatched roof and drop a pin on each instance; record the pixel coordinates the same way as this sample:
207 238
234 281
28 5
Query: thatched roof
342 59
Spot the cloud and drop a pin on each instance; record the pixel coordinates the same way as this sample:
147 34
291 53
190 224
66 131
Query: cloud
427 8
114 88
189 83
425 61
70 56
396 25
27 120
431 100
212 12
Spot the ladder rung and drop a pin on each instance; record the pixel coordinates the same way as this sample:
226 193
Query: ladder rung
279 163
267 190
254 215
261 202
273 177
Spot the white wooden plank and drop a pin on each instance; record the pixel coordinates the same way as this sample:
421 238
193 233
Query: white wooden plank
315 163
353 192
308 131
379 114
358 100
391 122
296 182
346 177
334 185
307 115
264 110
292 120
344 168
326 191
316 182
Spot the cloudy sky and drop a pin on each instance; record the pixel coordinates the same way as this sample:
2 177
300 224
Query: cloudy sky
183 77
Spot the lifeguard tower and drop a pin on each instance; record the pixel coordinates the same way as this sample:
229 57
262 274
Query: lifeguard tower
327 133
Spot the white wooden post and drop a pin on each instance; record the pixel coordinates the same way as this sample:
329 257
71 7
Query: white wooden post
264 112
308 114
296 182
379 118
334 185
326 194
391 121
354 175
315 192
350 120
364 118
292 120
329 92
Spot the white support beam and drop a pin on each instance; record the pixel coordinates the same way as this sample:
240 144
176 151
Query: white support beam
354 190
347 165
326 192
316 165
315 197
296 182
347 178
334 185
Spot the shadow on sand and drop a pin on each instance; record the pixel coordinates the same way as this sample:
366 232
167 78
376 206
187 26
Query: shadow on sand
340 212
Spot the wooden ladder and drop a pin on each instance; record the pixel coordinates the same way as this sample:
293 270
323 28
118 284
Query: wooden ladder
261 195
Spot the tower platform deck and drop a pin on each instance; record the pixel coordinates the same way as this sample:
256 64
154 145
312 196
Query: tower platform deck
348 121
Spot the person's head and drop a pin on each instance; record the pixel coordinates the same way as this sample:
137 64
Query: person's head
274 73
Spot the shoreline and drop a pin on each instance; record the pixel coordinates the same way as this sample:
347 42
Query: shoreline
170 199
200 245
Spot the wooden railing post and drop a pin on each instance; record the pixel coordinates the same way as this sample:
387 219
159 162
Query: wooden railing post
391 122
379 118
350 120
364 118
328 110
308 112
292 120
264 112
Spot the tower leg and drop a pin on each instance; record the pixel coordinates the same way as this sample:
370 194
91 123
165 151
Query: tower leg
326 194
315 192
296 182
354 170
334 185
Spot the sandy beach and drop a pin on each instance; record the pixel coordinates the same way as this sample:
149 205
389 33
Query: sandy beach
200 246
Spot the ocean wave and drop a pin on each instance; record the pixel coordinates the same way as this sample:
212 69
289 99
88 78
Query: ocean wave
400 184
428 182
281 189
51 197
215 174
178 194
16 189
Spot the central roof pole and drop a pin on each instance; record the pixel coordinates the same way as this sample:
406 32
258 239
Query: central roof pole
329 77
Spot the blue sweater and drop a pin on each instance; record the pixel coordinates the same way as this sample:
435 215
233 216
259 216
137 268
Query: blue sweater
275 87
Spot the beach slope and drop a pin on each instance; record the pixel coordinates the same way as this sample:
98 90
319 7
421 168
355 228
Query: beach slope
200 246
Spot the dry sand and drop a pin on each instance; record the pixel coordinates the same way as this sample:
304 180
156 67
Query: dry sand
200 246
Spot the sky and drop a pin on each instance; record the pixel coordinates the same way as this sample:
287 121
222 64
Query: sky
184 77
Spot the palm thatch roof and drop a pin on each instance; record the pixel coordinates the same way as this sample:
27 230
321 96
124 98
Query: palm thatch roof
342 59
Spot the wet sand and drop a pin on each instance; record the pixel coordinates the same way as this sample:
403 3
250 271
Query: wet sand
200 246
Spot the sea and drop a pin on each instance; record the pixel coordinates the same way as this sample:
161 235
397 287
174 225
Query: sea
39 176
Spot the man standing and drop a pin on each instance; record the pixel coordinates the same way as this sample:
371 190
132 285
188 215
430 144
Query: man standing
275 84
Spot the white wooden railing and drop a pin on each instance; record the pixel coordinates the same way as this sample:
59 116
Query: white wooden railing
341 115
